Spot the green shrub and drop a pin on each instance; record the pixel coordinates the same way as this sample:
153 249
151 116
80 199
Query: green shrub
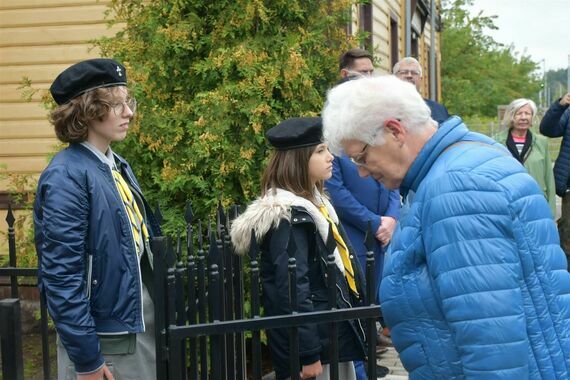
211 78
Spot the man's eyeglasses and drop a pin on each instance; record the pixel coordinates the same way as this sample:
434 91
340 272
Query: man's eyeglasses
119 107
414 73
360 158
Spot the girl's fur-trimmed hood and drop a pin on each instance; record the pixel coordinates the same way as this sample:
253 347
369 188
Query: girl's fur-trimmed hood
266 212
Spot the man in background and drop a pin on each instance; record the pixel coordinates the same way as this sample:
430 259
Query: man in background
410 70
355 63
556 123
363 202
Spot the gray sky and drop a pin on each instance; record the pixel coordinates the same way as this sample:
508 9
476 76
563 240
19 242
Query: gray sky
539 28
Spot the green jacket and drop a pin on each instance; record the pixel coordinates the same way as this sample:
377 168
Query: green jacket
538 165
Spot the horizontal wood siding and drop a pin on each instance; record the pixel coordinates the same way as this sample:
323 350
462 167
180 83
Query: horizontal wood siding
382 13
38 39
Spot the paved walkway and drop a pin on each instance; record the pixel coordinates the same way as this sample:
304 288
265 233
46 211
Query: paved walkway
391 360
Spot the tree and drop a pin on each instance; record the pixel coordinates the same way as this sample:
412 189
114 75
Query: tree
556 81
211 77
478 74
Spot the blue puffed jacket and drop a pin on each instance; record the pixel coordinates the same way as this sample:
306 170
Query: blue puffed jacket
475 283
88 267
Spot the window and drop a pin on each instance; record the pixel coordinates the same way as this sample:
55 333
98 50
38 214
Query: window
394 42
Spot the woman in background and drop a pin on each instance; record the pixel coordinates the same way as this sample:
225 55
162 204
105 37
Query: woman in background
530 149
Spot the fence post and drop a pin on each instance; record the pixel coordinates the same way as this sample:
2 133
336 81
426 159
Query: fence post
238 284
11 334
191 288
228 286
332 294
45 332
223 273
255 307
180 303
202 306
159 247
214 291
370 297
294 360
12 251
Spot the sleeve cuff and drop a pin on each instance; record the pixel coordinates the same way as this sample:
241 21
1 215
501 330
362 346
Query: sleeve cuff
86 369
310 359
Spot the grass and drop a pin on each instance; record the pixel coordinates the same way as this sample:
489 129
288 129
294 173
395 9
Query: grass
32 357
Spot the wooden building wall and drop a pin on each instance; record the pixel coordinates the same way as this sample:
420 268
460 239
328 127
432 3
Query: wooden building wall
387 14
38 39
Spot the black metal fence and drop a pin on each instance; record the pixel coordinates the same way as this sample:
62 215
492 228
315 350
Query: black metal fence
201 290
200 308
10 328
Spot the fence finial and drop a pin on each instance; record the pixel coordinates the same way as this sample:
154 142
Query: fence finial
188 214
200 237
10 216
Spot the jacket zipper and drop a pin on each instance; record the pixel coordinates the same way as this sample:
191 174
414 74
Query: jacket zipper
89 275
350 306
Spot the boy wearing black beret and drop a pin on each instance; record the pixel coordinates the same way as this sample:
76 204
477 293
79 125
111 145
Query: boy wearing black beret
92 230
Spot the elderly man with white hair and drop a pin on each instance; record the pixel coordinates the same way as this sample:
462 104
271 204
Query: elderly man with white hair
475 282
410 70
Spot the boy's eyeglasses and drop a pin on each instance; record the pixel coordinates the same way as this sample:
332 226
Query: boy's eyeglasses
119 107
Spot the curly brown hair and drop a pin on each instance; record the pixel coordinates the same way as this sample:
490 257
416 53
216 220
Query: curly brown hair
72 119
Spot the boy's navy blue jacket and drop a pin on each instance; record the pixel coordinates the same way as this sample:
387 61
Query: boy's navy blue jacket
88 267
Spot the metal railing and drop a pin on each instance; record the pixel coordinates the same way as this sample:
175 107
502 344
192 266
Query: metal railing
200 305
200 308
12 363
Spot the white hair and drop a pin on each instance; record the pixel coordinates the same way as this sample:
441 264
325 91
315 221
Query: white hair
513 108
407 60
357 110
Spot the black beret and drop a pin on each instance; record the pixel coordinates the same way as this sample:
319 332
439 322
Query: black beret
297 132
85 76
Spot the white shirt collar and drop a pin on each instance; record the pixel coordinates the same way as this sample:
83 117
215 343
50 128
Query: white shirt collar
106 158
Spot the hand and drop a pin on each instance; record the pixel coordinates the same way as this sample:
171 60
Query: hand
386 229
311 370
565 100
102 374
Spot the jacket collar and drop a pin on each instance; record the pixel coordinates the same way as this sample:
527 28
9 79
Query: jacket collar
265 213
450 132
